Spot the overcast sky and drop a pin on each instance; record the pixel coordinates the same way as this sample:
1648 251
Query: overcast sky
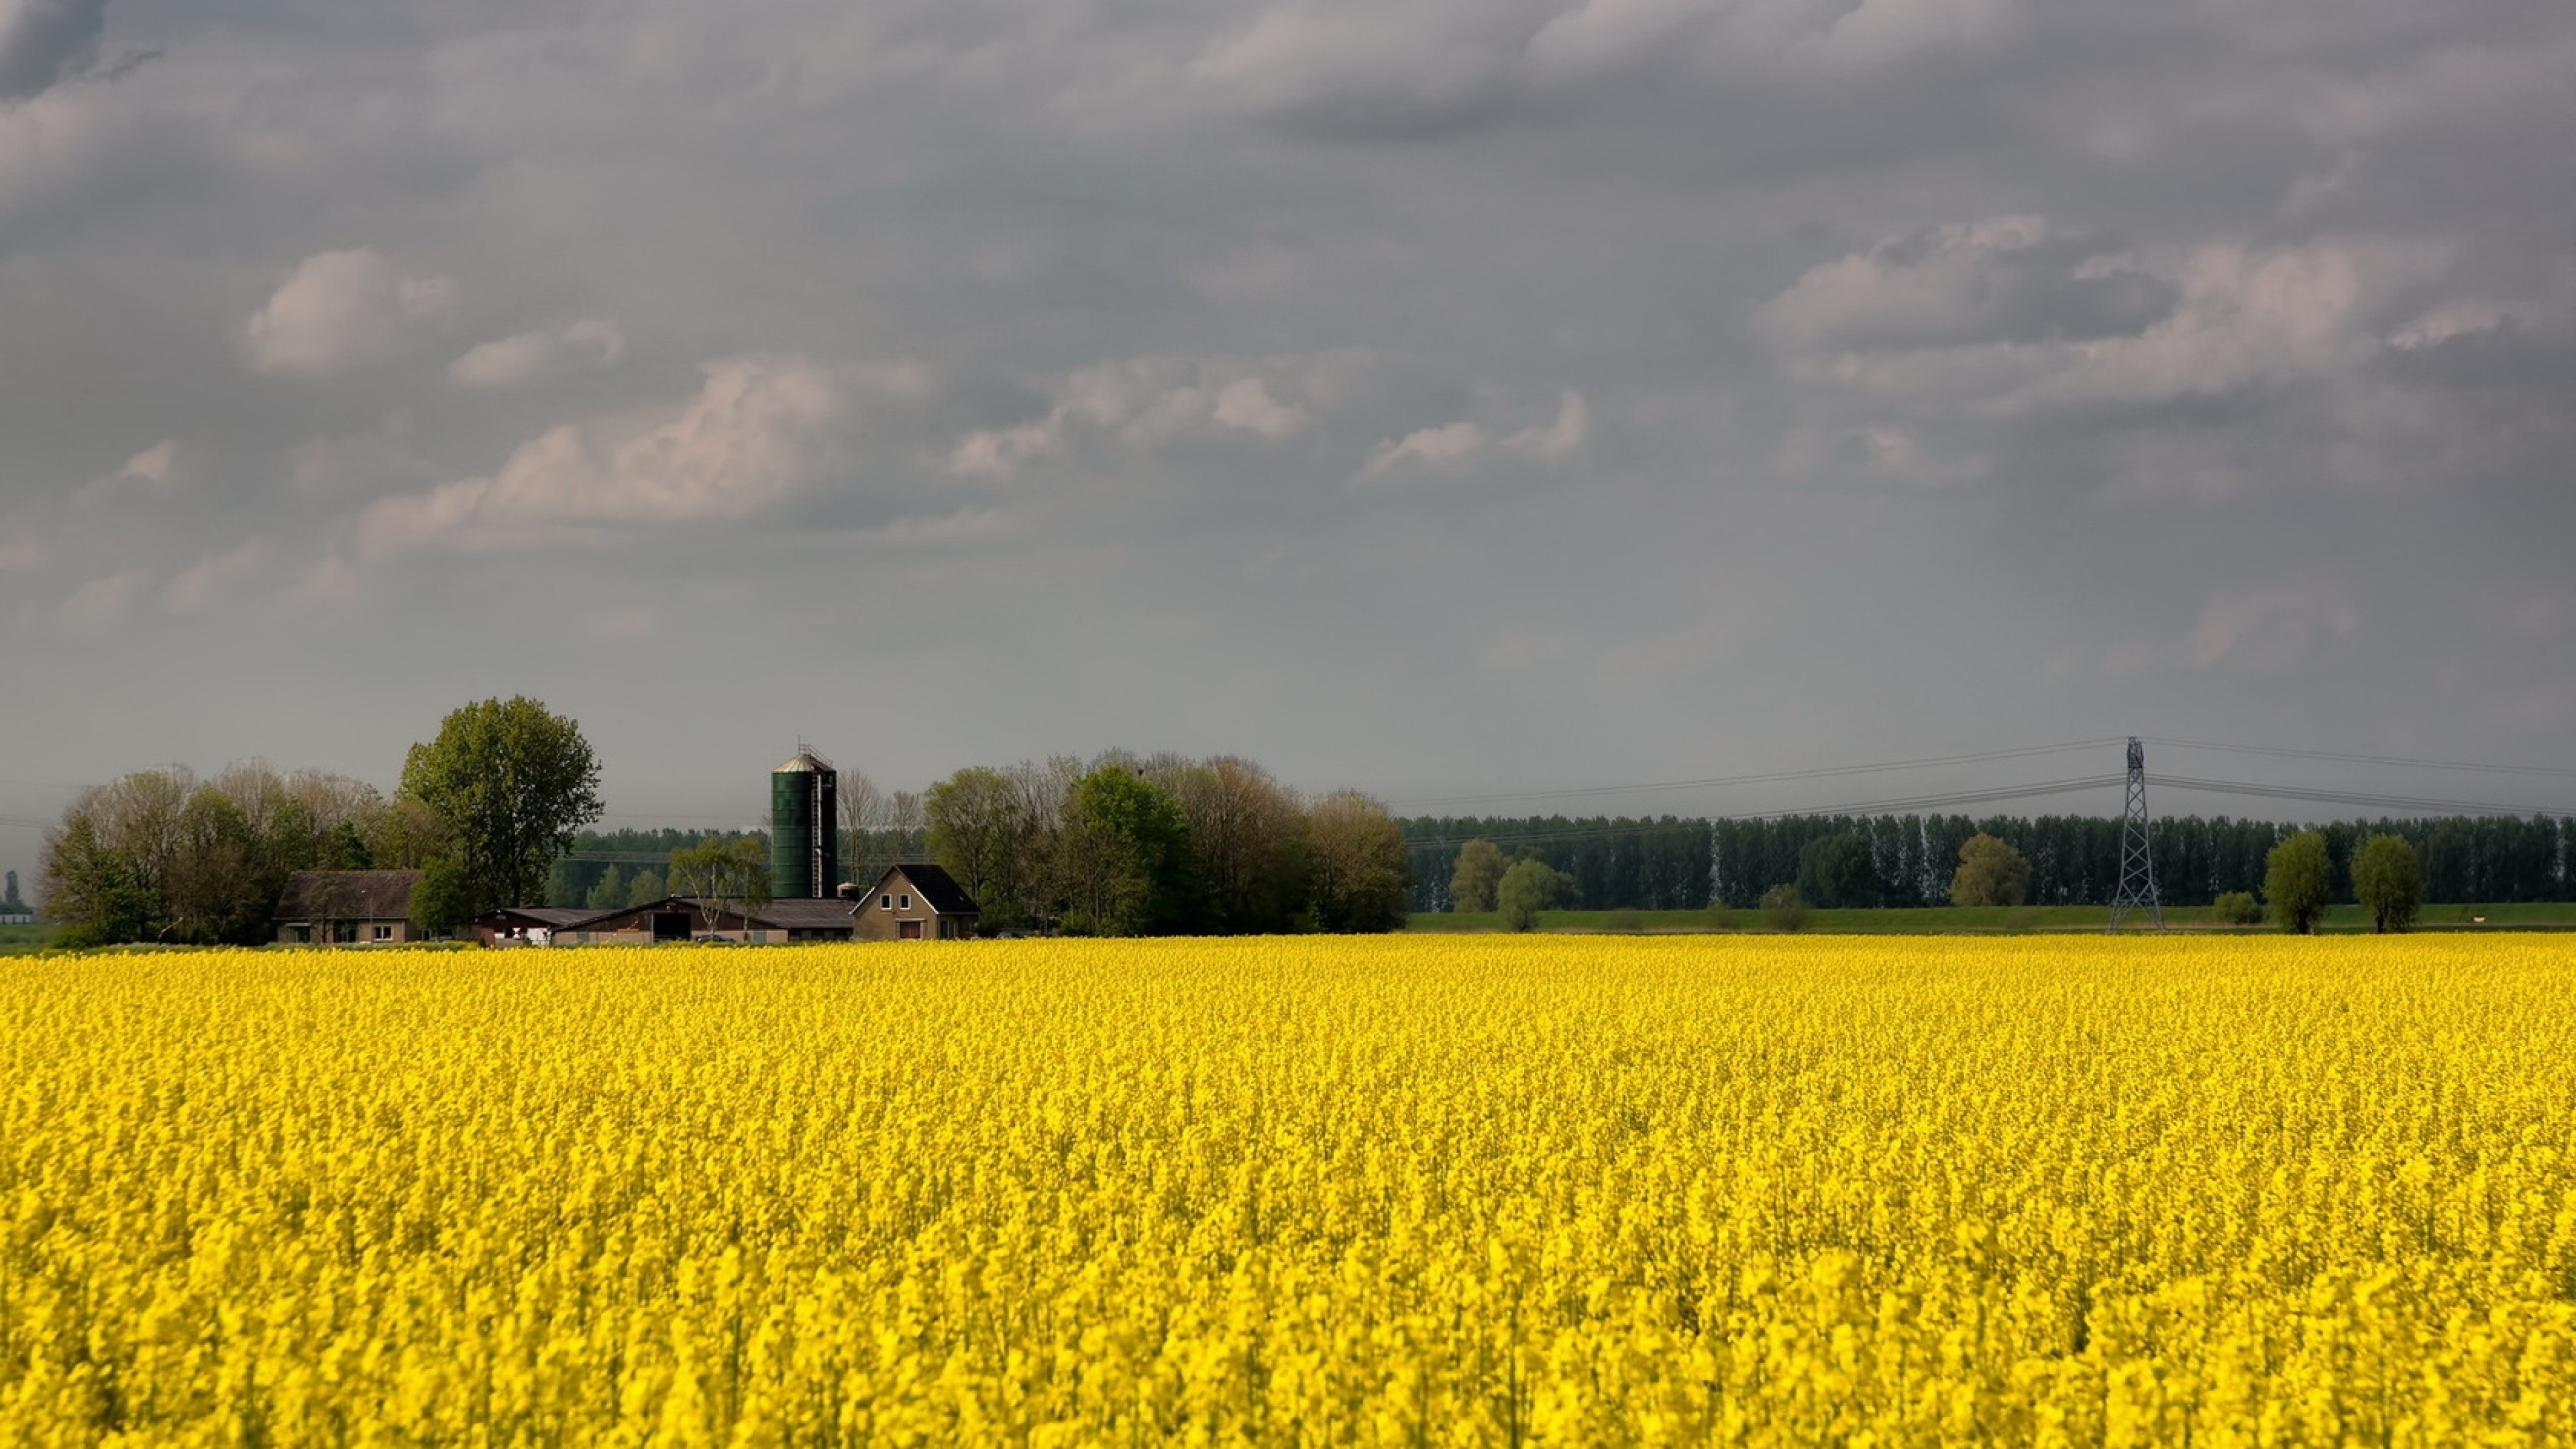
1433 396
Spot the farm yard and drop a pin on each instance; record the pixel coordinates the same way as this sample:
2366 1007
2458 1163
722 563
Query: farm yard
1471 1189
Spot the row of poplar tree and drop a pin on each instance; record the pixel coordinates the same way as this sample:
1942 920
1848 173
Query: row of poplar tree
1679 863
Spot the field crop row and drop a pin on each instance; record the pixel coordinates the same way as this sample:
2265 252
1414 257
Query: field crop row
1482 1190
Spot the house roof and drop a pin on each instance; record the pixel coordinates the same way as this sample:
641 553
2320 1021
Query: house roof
361 895
937 888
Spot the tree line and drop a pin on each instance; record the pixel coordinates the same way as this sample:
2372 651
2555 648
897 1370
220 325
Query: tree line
1164 845
1682 863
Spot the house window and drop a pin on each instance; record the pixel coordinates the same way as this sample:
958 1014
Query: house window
384 933
907 900
885 902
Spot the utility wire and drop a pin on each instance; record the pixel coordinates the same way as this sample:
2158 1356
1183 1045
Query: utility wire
2354 797
2396 760
1821 772
1907 805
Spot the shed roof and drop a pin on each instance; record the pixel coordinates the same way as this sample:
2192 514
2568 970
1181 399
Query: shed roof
361 895
554 916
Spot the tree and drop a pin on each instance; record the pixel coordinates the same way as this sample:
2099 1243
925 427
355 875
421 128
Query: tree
609 893
346 849
1529 887
865 848
1784 908
1480 869
724 876
645 889
513 781
92 889
1839 871
2298 879
2388 882
1363 875
407 835
1124 856
982 834
442 899
1247 842
217 891
2237 908
1990 873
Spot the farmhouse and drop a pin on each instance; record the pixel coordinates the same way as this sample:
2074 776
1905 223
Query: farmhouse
914 900
324 907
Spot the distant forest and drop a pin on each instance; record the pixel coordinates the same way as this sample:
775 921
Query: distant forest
1673 863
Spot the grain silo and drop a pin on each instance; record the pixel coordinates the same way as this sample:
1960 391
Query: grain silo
804 829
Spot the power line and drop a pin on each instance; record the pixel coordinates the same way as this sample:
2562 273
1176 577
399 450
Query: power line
2359 798
1818 773
2396 760
1905 805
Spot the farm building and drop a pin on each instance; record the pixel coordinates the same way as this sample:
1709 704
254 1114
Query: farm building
914 901
687 918
527 925
324 907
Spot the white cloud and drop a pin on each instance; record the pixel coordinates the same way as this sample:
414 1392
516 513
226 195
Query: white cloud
761 431
157 471
1460 446
346 310
538 356
105 600
2007 317
212 578
1147 402
2269 629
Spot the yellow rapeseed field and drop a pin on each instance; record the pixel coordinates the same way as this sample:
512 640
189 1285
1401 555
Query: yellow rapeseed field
1448 1190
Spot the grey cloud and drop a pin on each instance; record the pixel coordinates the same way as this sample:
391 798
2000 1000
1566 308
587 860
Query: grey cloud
44 41
1254 351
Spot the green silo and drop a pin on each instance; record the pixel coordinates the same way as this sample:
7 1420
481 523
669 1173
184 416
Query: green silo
804 829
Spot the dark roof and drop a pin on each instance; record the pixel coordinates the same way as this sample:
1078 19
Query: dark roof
362 895
804 915
791 915
555 916
937 888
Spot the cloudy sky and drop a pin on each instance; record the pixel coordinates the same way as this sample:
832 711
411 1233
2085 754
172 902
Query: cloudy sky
1435 396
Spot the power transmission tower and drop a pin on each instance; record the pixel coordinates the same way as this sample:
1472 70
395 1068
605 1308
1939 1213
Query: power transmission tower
2137 890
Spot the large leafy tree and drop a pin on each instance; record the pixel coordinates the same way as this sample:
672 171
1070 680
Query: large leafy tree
1363 875
1124 857
1479 873
1991 873
1247 839
2388 882
95 888
2298 880
1839 871
1529 887
511 780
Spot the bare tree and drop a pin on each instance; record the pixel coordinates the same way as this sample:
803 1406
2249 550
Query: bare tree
863 820
725 876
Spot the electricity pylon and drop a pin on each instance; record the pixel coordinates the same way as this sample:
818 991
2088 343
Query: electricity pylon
2137 890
